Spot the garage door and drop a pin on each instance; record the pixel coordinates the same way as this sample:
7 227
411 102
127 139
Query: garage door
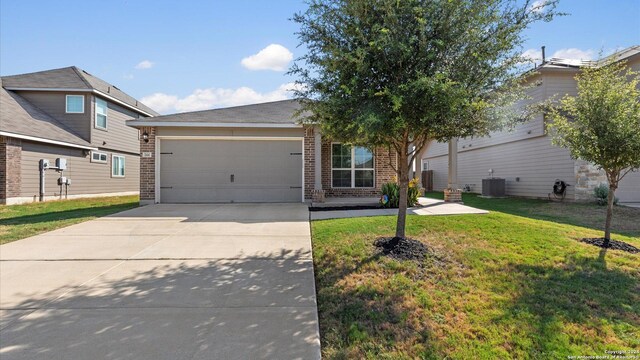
205 171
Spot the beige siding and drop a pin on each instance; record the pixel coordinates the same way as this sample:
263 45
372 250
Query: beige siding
54 104
86 177
535 161
629 188
118 136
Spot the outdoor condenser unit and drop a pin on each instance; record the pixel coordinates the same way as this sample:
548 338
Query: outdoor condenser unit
493 187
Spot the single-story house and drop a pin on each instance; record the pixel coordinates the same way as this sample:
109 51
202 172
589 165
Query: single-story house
526 157
74 121
252 153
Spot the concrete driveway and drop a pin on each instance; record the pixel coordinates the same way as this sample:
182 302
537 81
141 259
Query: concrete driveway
164 282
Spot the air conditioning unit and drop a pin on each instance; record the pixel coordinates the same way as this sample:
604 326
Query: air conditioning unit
494 187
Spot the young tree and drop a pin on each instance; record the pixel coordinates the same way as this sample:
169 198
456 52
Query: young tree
602 124
402 73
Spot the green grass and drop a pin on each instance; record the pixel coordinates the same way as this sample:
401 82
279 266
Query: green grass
499 286
21 221
625 219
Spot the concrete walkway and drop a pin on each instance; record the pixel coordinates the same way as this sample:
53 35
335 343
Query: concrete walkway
164 282
427 207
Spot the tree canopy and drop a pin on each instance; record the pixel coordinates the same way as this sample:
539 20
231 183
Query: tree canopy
402 73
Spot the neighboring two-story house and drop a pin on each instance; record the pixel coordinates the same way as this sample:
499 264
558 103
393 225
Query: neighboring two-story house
526 157
67 114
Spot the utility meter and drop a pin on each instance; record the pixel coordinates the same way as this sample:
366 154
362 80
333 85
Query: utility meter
62 180
44 164
61 163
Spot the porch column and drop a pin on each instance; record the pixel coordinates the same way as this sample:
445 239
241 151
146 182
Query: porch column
453 193
318 193
317 148
452 182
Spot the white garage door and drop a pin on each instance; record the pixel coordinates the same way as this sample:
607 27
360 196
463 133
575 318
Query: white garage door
209 171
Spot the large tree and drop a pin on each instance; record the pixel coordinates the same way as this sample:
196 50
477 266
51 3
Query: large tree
401 73
602 124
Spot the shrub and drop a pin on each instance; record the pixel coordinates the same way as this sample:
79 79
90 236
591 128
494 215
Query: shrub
391 193
601 192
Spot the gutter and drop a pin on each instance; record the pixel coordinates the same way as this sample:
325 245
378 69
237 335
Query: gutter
48 141
140 123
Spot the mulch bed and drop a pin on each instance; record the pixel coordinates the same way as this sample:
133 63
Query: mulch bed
405 249
613 245
338 208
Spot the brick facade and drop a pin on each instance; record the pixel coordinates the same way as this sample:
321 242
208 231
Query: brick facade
10 168
148 166
309 162
383 171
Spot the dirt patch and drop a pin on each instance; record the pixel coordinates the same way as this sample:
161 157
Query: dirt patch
613 245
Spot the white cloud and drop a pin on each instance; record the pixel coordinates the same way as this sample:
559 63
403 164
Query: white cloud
127 76
203 99
532 55
274 57
145 64
574 54
538 5
535 55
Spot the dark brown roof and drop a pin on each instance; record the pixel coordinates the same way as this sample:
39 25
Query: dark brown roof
71 78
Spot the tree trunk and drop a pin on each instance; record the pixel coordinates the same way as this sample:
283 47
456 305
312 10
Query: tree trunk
403 180
607 225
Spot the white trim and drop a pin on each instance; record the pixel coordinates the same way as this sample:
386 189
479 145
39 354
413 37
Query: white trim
106 115
211 124
93 91
66 104
33 199
158 140
124 159
224 137
352 169
106 157
48 141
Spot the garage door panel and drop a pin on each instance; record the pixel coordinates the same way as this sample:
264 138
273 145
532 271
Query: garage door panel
201 171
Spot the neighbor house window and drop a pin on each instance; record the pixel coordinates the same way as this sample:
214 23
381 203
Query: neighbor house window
101 114
351 166
98 157
117 166
75 104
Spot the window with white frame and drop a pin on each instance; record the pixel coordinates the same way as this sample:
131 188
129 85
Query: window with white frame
101 114
117 166
351 166
98 157
75 104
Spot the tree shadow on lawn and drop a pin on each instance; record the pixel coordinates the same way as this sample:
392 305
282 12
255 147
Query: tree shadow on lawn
366 314
67 214
561 309
249 308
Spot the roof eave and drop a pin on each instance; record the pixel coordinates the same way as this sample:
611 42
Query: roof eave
48 141
143 123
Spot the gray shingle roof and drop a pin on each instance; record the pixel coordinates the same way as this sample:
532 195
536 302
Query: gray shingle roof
20 117
276 112
71 78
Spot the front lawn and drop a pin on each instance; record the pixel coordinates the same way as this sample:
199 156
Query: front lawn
21 221
498 286
591 215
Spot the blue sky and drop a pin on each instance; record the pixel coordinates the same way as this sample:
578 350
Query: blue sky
188 55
